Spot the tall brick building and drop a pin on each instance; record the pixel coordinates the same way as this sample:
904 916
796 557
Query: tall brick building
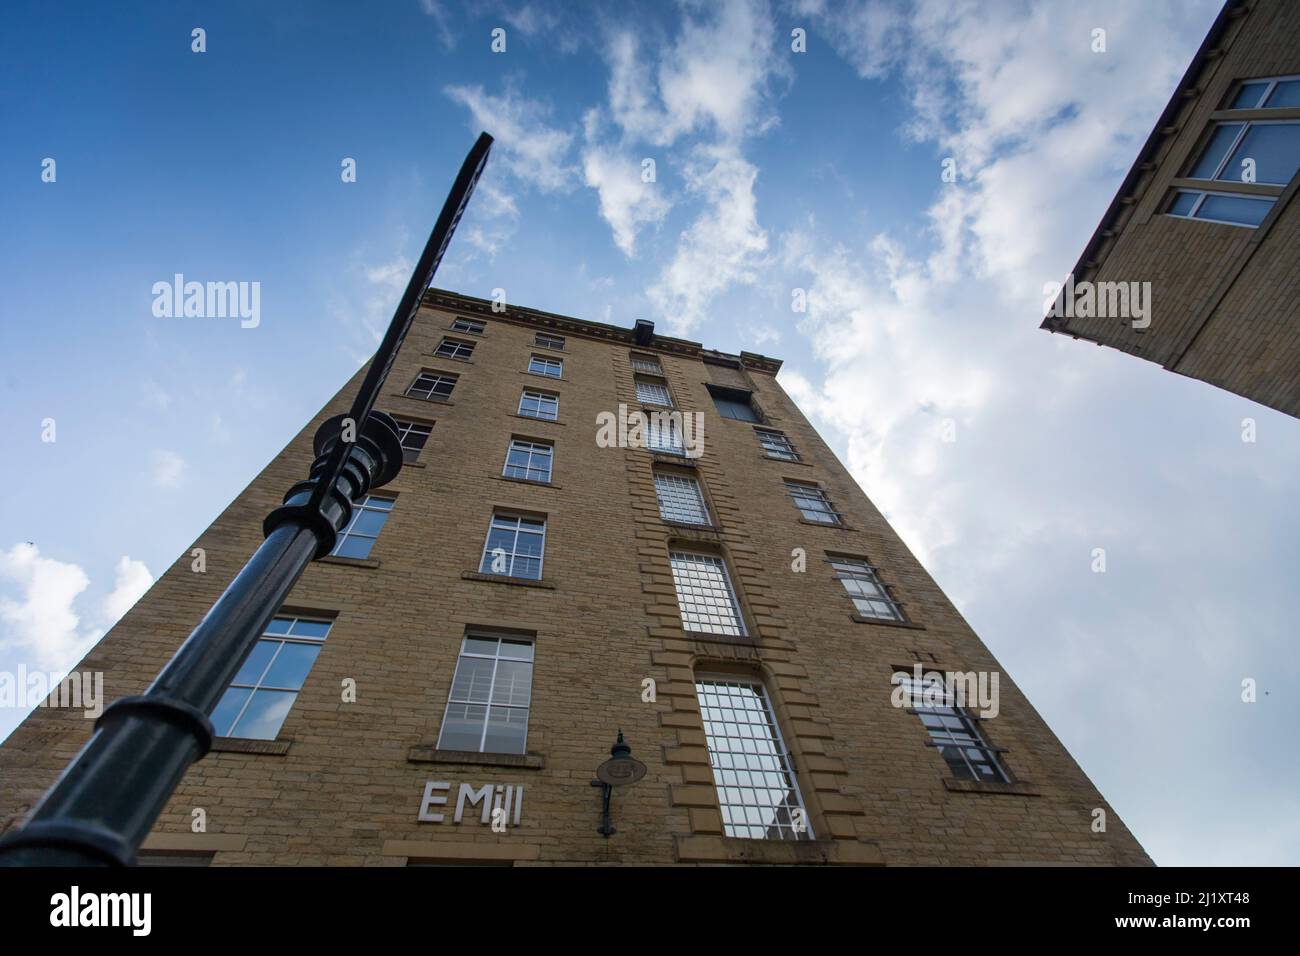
443 687
1208 216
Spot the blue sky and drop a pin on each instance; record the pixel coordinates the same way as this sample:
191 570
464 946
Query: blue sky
775 171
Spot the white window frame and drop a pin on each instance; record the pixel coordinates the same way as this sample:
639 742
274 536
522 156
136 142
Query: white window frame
817 493
647 365
469 326
788 453
531 449
1272 82
652 393
437 377
948 713
677 491
1201 195
548 340
456 349
496 659
542 364
288 637
737 629
406 427
358 509
744 753
513 553
849 568
529 393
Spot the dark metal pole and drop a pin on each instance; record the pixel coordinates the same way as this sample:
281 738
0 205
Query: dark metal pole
106 801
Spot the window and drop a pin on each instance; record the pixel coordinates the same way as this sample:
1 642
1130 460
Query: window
680 499
869 595
1259 156
776 445
651 392
454 348
547 341
647 364
514 547
663 434
472 326
368 518
413 435
432 385
812 503
259 697
539 405
540 365
529 460
733 403
954 730
757 790
487 710
1268 93
704 594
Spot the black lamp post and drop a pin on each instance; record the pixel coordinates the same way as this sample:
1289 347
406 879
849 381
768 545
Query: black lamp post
106 801
620 769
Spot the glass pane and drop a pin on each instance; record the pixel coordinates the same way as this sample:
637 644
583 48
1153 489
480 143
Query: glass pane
368 522
1275 148
265 714
480 645
1183 203
256 662
1223 136
1286 93
1248 96
519 649
463 727
513 682
279 625
1250 212
310 629
291 666
473 679
506 730
227 709
354 547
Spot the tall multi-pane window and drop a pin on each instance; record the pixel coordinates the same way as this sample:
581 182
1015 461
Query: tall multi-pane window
1258 156
812 502
529 460
652 392
952 729
454 348
757 790
680 498
267 683
704 594
541 365
515 546
368 518
863 584
487 710
776 445
412 435
546 340
663 434
539 405
733 403
472 326
648 365
432 385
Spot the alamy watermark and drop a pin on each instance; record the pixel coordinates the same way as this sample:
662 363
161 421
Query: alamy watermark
970 690
27 689
1101 300
669 432
208 300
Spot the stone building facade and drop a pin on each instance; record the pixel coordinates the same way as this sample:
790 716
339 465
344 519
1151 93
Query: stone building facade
1208 218
536 580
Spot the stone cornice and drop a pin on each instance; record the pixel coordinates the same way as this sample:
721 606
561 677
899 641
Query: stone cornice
473 307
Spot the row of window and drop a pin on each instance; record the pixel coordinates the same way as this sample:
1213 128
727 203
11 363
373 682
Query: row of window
1259 156
490 700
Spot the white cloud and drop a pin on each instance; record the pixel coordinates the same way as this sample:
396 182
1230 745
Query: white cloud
441 20
533 151
627 201
168 469
132 580
42 622
722 247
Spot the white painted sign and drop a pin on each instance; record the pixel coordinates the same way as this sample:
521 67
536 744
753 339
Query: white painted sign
503 803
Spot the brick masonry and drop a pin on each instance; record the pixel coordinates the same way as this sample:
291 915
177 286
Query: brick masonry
1226 299
342 784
